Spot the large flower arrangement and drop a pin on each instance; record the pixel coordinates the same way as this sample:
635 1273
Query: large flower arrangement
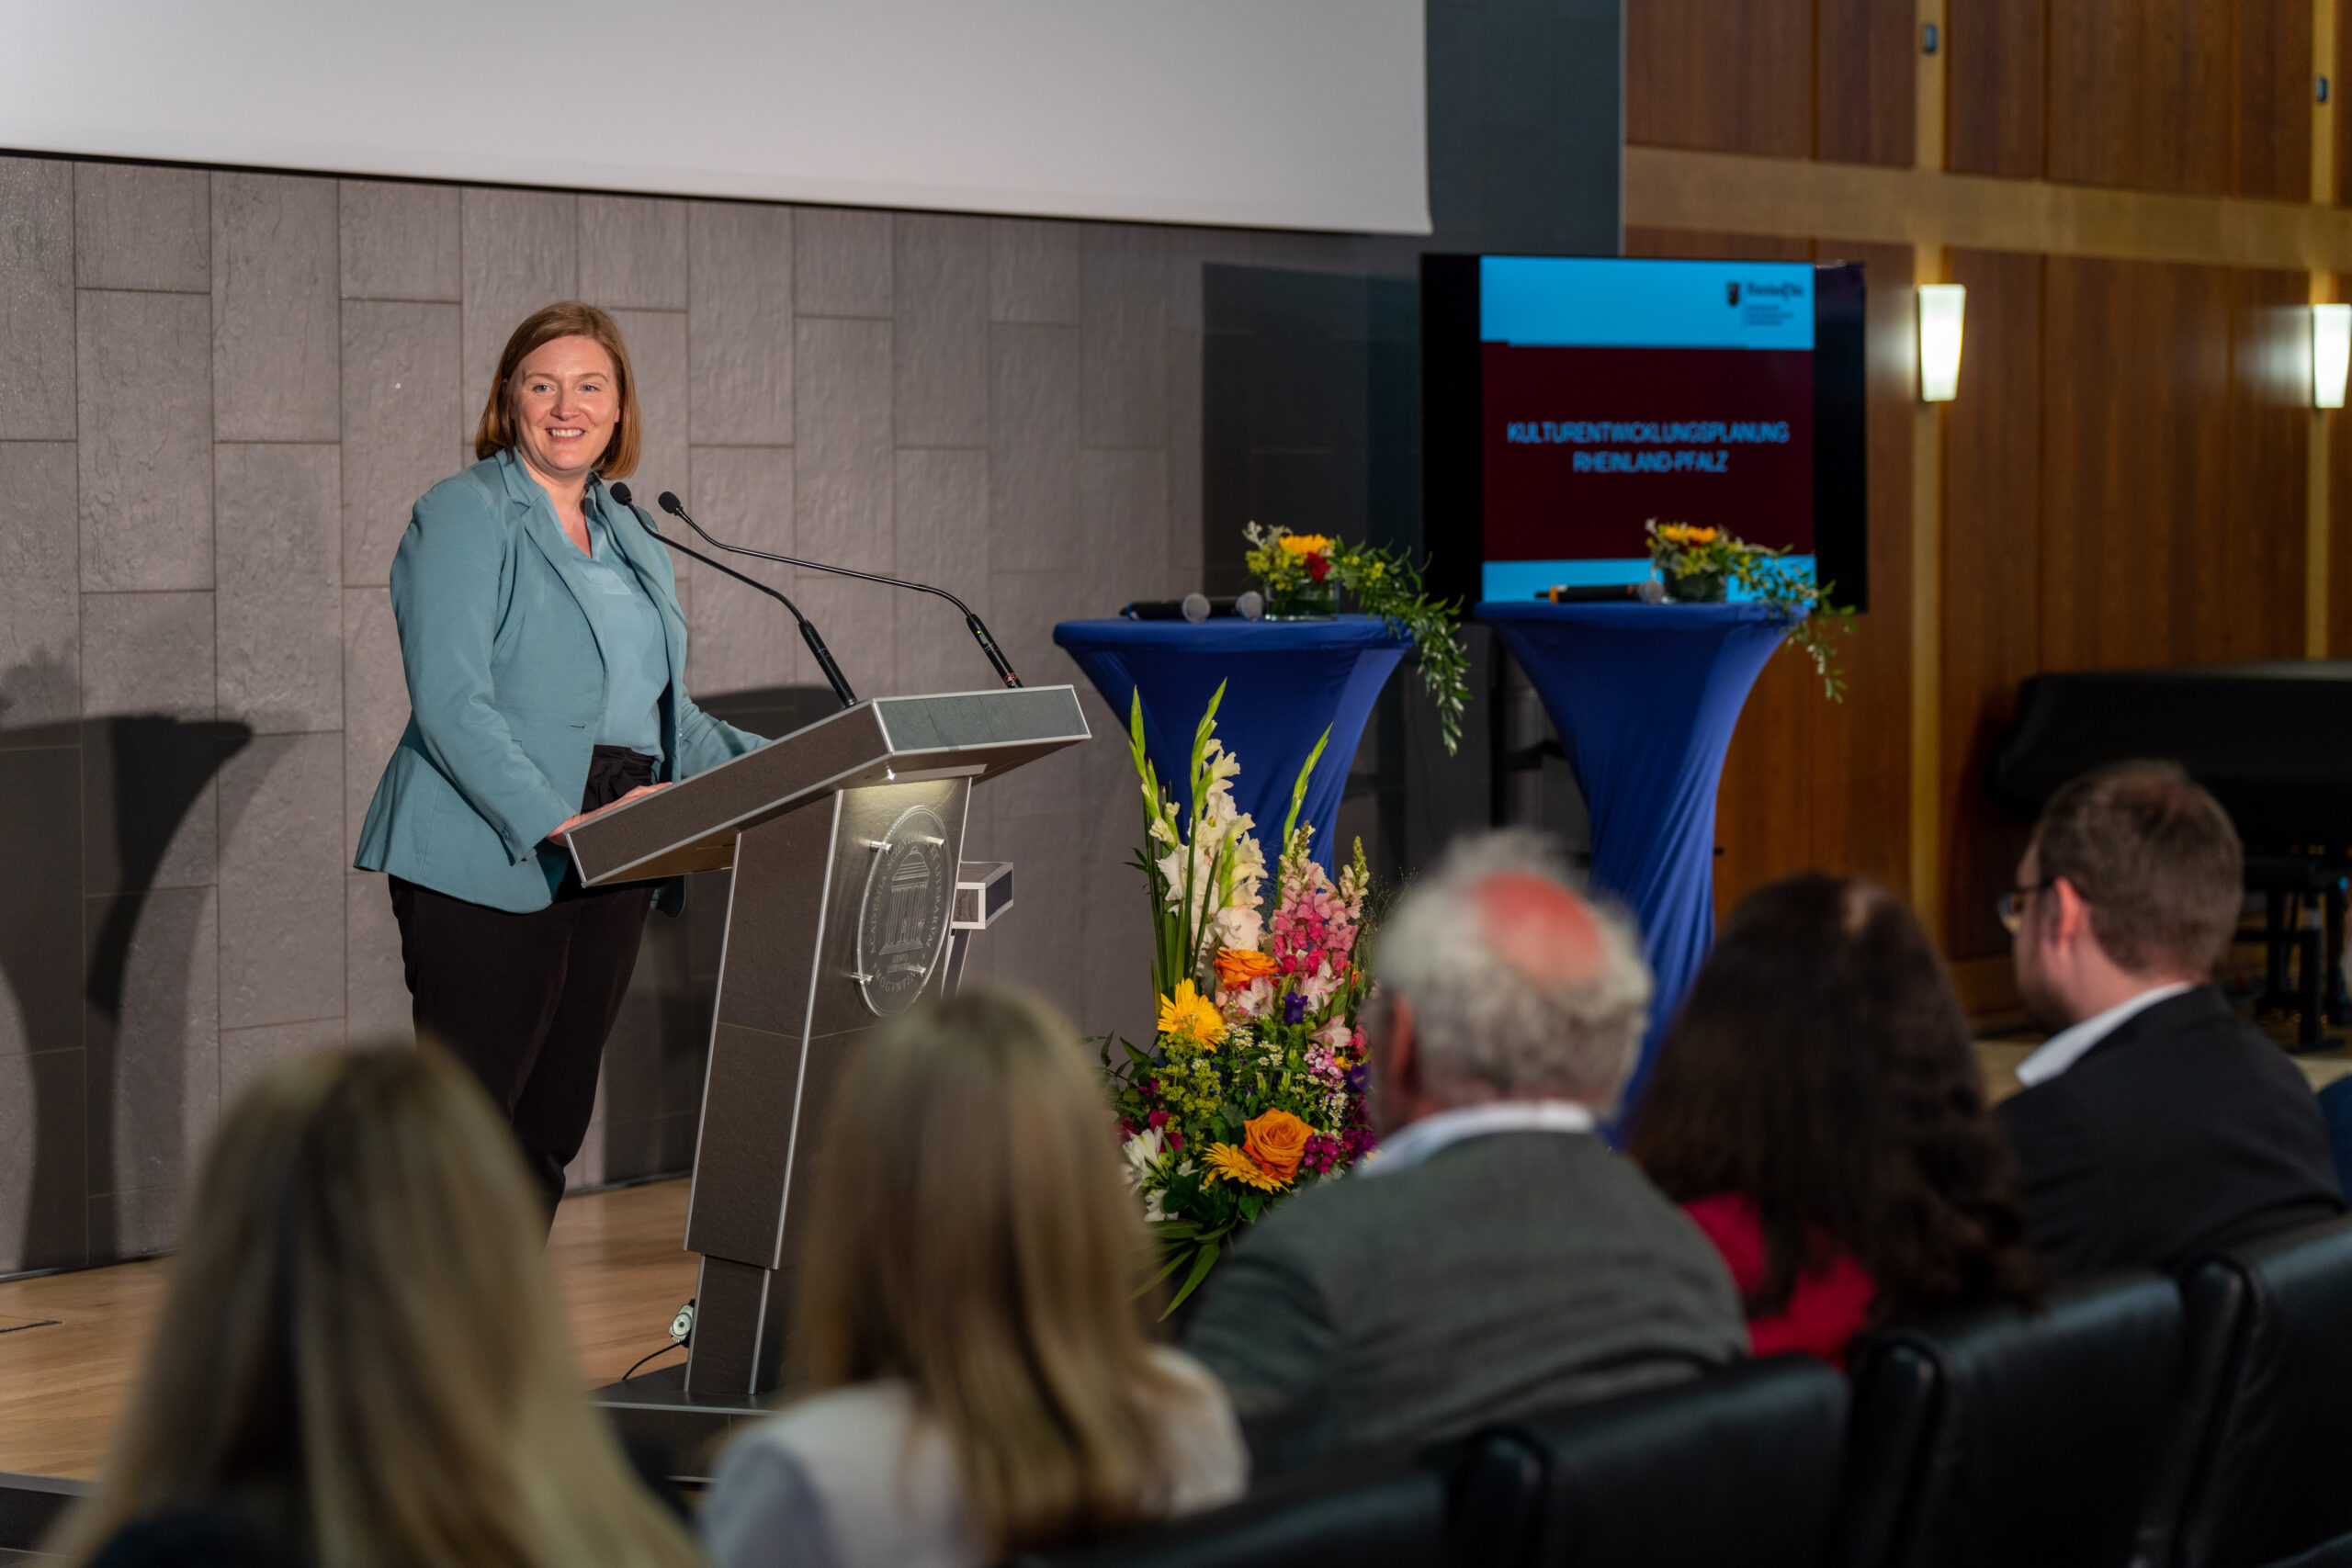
1252 1090
1701 565
1301 570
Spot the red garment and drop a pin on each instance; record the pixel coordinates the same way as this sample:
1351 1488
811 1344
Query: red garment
1826 1307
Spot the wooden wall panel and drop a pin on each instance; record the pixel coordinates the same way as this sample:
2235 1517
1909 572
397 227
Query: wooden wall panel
1809 783
2250 588
1731 78
1991 544
2136 456
2139 94
2174 466
2273 126
1993 86
1868 78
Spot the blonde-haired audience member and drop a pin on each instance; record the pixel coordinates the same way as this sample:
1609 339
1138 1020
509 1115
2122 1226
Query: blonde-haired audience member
977 1377
361 1363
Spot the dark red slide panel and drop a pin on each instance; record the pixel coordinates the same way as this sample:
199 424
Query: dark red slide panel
1583 445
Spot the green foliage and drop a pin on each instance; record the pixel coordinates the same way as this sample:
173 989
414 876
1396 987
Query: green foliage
1684 554
1386 584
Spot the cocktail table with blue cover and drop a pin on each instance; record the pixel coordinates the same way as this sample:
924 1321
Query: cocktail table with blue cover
1645 698
1284 681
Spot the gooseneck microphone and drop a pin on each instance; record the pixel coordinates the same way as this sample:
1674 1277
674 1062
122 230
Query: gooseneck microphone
808 633
971 622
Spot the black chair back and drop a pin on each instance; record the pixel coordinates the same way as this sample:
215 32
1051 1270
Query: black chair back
2007 1438
1378 1514
2271 1478
1740 1466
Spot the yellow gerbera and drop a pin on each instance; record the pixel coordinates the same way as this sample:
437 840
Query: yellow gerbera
1189 1012
1234 1164
1306 544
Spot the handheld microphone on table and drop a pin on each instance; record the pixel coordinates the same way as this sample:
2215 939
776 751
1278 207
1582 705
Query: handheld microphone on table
1648 592
1196 607
979 630
808 633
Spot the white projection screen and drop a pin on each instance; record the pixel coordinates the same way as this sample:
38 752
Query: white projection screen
1296 114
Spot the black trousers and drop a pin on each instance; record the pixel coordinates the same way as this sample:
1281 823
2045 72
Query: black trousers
528 1000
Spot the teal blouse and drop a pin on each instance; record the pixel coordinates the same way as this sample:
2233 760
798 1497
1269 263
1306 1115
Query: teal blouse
628 629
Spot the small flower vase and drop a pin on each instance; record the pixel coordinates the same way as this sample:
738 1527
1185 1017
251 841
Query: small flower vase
1306 601
1696 587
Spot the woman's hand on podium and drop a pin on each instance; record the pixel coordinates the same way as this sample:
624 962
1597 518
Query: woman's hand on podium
564 828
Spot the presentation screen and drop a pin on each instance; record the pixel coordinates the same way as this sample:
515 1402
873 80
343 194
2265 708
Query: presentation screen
1570 400
1292 114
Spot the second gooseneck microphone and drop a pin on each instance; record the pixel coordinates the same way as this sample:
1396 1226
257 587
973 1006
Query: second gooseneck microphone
972 622
808 633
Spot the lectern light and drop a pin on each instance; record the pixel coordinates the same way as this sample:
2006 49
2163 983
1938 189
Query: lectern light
1940 307
2331 349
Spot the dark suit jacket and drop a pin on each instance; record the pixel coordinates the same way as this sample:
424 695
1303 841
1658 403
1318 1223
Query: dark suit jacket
1508 1274
2183 1132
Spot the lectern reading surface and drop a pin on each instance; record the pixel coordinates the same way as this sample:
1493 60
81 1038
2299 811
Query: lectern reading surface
850 900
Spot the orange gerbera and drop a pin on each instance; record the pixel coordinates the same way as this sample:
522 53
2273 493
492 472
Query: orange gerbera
1236 966
1307 544
1229 1164
1277 1140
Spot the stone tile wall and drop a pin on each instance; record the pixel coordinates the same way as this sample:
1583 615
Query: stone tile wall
219 393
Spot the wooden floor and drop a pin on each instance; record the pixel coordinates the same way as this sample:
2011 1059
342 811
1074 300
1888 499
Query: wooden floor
617 1259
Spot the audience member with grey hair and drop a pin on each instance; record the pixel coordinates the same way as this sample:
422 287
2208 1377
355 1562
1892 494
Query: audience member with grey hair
1494 1258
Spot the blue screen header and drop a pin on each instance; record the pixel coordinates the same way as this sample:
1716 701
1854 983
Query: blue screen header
1575 303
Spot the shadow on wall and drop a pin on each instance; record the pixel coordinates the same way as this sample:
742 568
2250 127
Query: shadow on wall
90 811
110 860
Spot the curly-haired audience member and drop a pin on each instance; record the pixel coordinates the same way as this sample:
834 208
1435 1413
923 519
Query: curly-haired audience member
361 1363
977 1376
1818 1109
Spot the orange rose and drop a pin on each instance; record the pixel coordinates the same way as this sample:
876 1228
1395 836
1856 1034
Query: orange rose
1236 966
1277 1140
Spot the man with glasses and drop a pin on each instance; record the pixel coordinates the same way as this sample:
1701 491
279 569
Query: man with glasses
2156 1125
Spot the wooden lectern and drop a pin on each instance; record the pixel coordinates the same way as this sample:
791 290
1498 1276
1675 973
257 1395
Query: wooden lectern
851 899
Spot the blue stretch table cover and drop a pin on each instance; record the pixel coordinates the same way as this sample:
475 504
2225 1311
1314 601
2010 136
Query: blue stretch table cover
1283 681
1645 698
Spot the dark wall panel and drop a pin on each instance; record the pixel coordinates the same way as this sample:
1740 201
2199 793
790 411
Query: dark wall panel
1867 68
2206 96
2174 468
1991 588
2275 85
1735 78
1993 73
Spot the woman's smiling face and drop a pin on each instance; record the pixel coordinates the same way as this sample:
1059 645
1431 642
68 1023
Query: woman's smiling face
567 404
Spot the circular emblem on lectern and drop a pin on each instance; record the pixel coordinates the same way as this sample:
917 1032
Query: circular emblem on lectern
902 920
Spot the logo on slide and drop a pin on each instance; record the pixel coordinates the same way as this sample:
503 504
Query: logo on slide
1731 293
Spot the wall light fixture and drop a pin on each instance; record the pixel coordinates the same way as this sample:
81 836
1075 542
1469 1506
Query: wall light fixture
1940 308
2331 351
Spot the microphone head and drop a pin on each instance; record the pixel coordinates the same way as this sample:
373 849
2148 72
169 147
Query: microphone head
620 492
668 501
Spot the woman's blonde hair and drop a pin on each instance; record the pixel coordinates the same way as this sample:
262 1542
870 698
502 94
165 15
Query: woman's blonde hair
973 1235
495 433
362 1343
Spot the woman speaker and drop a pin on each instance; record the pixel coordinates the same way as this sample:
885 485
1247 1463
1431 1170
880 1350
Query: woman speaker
546 659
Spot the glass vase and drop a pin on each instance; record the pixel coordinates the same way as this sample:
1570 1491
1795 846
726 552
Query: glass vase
1697 587
1307 602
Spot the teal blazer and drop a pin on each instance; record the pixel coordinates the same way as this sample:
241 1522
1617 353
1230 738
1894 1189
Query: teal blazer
506 686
